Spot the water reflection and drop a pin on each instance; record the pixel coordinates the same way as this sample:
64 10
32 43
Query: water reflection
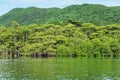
60 69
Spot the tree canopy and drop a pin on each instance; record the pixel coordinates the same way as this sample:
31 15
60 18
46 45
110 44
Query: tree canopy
57 40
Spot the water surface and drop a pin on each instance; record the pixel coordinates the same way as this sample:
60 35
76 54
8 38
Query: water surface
60 69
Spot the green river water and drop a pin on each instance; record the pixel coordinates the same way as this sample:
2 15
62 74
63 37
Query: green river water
60 69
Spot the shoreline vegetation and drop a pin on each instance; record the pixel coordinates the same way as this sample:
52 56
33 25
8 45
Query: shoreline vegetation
52 40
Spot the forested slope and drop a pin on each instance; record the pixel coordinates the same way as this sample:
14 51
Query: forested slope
93 13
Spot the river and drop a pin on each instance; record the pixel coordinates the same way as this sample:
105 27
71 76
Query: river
60 69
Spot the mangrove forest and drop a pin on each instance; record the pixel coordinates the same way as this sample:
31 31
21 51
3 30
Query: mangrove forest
70 40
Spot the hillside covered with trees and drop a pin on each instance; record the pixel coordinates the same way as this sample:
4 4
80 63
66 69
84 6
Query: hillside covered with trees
86 13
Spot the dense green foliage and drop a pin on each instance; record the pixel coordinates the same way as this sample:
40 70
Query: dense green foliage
64 32
69 40
97 14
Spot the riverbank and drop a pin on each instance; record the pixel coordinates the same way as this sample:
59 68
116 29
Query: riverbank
57 56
